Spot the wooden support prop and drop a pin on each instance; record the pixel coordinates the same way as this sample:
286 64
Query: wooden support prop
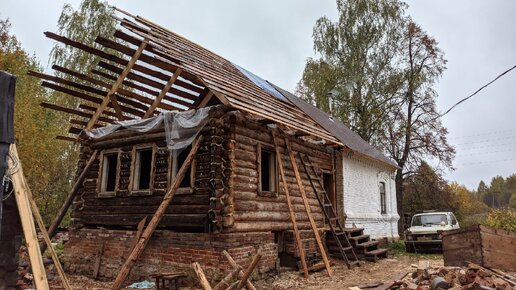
21 190
202 278
44 233
224 283
307 208
290 208
248 271
162 94
153 224
139 231
96 267
69 199
233 264
110 97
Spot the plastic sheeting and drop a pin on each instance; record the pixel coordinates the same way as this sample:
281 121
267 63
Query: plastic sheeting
181 127
262 83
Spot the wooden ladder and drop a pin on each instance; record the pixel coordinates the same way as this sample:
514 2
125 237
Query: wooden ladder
337 230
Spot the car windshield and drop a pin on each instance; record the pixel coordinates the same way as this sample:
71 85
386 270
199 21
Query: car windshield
429 219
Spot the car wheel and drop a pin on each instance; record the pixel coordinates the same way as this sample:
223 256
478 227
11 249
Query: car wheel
409 247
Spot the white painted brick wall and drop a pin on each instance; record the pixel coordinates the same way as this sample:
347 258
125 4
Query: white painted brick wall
362 179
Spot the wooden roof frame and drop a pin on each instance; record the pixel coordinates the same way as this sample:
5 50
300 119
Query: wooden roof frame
155 70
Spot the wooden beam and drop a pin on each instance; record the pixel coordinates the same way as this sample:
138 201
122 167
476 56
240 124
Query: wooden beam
307 208
66 138
21 190
248 271
52 230
234 265
73 111
44 233
157 101
153 224
290 208
110 95
200 275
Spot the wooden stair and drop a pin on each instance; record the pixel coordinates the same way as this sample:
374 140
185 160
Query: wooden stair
363 246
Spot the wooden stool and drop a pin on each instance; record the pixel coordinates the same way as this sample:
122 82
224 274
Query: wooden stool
172 278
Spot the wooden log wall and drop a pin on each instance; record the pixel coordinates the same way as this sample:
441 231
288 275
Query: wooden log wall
254 212
193 211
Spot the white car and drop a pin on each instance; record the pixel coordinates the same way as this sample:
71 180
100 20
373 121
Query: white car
426 228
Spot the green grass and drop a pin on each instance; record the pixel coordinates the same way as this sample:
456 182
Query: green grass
397 249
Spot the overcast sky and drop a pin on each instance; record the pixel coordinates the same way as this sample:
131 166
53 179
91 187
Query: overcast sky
273 39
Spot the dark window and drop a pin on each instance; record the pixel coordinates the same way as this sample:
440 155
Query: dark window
180 160
142 170
327 180
267 171
109 172
383 204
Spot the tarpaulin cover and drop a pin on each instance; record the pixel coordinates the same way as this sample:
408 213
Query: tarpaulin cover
262 83
181 127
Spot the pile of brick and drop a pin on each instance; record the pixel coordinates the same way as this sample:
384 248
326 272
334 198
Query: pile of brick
471 277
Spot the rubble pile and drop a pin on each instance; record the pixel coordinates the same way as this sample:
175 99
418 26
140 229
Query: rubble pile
471 277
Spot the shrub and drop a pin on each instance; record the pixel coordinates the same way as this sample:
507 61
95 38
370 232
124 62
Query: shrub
504 219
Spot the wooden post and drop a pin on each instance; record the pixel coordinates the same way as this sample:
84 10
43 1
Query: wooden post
21 190
68 201
233 264
249 271
153 224
307 208
202 278
98 259
290 209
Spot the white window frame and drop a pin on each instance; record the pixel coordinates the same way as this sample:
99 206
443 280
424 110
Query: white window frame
102 192
135 168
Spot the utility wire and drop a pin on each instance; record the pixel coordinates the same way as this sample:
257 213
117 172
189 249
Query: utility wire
483 134
477 91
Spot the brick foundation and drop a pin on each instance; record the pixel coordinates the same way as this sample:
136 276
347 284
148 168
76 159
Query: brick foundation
167 251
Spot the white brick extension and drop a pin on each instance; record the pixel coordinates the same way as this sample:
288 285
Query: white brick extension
362 179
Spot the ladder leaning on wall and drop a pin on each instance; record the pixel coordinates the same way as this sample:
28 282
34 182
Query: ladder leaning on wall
337 230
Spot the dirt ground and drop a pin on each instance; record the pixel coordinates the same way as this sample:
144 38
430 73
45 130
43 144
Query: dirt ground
342 277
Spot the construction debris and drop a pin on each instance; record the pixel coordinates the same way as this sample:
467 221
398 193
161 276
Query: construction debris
471 277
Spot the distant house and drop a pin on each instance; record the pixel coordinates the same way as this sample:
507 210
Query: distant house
232 196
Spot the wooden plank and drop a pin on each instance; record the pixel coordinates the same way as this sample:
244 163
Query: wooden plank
153 224
66 138
290 209
307 207
69 199
21 190
139 231
166 88
44 233
110 95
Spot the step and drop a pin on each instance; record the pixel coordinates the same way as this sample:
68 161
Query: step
353 231
352 264
367 244
357 239
375 255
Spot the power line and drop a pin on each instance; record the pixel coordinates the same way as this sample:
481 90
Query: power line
487 146
487 162
483 134
487 152
477 91
486 141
